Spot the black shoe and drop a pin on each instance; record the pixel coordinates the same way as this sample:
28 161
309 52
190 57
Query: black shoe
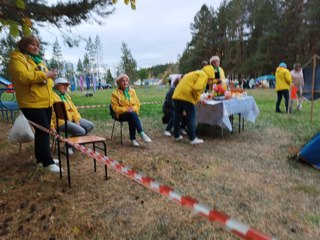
278 111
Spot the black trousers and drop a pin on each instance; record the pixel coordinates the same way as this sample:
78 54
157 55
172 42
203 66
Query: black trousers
285 94
41 116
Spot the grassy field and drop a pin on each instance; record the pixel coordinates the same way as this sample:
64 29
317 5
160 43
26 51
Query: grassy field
251 176
298 122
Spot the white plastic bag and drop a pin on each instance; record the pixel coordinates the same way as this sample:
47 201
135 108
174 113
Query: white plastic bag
21 131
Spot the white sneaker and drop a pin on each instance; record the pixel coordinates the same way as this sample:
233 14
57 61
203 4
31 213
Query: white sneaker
53 168
167 133
145 138
134 143
299 107
178 138
183 131
56 161
70 151
196 141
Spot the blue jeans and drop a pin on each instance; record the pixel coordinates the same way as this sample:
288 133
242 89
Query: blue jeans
190 110
41 116
134 123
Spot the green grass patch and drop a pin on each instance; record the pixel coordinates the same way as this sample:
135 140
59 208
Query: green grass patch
297 124
307 189
314 220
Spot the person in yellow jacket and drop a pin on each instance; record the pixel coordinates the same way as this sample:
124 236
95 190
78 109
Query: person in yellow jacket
126 105
283 83
186 96
33 83
77 126
219 76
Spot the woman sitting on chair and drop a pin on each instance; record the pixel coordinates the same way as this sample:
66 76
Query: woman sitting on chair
126 105
76 125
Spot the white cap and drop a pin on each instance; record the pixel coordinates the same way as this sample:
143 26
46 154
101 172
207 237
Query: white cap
60 80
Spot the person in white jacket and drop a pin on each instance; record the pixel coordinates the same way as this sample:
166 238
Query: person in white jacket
298 82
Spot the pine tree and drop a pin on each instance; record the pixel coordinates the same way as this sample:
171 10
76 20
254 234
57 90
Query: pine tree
80 69
6 46
56 59
86 63
90 55
98 54
311 28
202 45
127 63
109 78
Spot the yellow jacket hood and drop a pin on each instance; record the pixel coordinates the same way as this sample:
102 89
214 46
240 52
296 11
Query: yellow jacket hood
191 86
208 69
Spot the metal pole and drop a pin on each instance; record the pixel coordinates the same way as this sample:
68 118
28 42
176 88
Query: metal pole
313 79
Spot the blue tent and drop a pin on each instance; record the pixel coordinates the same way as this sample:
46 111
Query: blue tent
265 77
5 82
269 78
310 152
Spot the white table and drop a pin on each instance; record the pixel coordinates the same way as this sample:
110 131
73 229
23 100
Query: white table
218 112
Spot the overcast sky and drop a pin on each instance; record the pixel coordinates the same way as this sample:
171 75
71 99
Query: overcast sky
156 32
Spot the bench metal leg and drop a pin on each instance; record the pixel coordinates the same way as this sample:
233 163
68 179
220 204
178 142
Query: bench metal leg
114 122
121 131
239 126
104 148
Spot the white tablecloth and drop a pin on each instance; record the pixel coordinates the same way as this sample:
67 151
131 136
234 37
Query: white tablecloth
217 112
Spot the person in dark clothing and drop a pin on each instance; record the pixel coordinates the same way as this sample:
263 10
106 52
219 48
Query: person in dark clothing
169 112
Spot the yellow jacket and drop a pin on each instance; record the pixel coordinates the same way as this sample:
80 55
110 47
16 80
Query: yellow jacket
72 111
215 79
120 104
33 89
283 79
192 85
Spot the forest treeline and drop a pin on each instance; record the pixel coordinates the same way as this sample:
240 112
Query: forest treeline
252 36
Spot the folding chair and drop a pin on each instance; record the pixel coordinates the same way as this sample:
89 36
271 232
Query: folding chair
60 111
8 104
116 119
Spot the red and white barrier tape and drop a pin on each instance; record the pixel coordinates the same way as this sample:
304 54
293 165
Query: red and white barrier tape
232 225
92 106
106 105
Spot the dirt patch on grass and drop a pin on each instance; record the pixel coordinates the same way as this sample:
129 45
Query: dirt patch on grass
248 176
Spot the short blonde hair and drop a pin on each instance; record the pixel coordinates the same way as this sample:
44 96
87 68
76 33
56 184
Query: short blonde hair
120 77
214 59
